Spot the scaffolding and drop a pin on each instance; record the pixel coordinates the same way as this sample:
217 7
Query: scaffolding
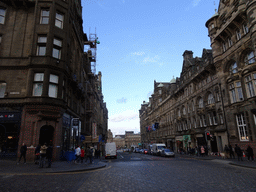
92 49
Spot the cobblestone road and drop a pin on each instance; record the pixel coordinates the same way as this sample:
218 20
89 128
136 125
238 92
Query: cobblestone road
141 173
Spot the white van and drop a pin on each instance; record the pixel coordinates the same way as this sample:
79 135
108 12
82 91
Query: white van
157 148
110 150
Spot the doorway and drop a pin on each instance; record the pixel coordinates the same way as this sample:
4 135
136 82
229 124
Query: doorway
46 135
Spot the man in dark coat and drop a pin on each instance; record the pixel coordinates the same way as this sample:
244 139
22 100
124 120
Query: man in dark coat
49 155
23 152
239 153
249 151
231 152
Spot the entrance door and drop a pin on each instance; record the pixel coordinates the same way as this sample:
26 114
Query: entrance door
46 135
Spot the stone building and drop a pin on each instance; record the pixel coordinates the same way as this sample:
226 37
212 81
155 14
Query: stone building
109 136
119 140
232 34
215 94
132 139
48 93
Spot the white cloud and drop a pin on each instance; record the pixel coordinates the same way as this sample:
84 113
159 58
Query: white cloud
151 59
196 2
125 121
138 53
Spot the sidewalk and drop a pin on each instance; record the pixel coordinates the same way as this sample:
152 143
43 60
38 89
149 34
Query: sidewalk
11 167
244 163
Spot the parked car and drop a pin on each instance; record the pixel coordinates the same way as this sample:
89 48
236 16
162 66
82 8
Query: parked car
136 150
167 153
145 151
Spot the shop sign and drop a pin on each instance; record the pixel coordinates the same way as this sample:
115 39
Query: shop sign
179 138
94 130
9 116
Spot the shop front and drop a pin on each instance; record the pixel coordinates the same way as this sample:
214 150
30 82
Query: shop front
179 144
9 133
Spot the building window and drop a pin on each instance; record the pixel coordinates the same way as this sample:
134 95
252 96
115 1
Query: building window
160 100
245 28
210 99
218 96
45 13
230 42
38 84
242 129
0 39
249 85
210 119
224 46
59 20
200 121
179 113
41 45
193 106
56 52
2 89
236 93
2 15
238 35
221 119
249 58
53 86
160 91
204 120
233 68
184 111
212 26
201 103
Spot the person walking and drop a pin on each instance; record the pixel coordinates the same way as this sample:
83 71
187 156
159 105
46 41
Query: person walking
239 152
226 151
91 154
202 151
77 154
82 155
49 155
250 154
37 154
42 155
231 152
23 152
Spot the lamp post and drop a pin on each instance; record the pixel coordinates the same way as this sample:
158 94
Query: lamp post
224 114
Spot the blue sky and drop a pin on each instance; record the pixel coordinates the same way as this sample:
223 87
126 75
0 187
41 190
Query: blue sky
142 41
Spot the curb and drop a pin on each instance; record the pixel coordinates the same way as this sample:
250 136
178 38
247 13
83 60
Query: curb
246 166
78 170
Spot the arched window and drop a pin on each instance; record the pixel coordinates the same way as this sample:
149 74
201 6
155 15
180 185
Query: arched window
210 99
201 103
233 68
249 58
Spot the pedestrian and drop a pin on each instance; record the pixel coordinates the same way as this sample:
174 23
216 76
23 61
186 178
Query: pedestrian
43 154
23 152
239 152
82 154
226 151
250 154
87 152
206 150
77 154
91 154
37 154
49 155
202 151
231 152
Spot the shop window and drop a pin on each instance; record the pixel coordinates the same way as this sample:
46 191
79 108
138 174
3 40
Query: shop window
2 15
38 84
2 89
249 58
53 86
250 81
56 52
233 68
44 19
41 45
59 20
210 99
242 128
235 91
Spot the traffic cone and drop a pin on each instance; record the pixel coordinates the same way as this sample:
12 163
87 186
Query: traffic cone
243 154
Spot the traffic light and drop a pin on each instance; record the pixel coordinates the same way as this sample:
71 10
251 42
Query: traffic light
208 136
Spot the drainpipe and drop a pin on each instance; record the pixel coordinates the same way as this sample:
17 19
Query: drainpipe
224 114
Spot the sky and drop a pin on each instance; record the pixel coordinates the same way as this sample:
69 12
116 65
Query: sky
142 41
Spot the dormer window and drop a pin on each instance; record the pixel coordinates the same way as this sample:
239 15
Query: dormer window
212 26
160 91
238 35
